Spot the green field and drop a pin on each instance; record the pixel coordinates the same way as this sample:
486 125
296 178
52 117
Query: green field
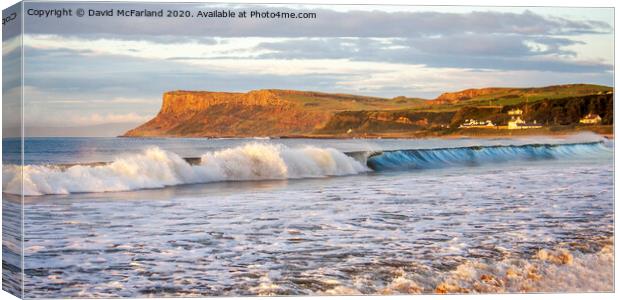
315 101
513 96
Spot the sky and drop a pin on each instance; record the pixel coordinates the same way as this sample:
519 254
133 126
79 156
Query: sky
107 74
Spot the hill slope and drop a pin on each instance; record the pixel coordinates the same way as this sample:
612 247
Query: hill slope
508 96
256 113
300 113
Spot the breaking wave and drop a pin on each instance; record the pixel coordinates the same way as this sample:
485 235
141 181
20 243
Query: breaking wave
471 156
157 168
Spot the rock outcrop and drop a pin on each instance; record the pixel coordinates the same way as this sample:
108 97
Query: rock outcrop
206 114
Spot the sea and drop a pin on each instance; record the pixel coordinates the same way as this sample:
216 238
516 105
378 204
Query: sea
146 217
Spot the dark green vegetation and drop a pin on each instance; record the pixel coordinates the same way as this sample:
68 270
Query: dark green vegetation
555 113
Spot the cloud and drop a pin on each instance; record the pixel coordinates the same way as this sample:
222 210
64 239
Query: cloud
116 100
107 118
329 23
68 107
55 45
102 77
481 39
11 64
491 45
470 51
85 71
91 119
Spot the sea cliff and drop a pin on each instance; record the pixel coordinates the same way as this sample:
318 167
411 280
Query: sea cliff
256 113
290 113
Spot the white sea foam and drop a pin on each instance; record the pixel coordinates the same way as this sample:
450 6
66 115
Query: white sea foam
556 271
157 168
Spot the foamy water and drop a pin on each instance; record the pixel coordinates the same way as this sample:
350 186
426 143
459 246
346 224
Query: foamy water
157 168
528 220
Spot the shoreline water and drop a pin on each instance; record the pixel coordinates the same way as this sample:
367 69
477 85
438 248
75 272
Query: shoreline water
563 267
479 133
195 160
573 266
540 220
154 167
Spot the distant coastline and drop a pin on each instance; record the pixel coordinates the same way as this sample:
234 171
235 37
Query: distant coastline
487 112
605 131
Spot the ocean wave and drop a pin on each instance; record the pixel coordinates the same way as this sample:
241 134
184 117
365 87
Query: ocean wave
157 168
471 156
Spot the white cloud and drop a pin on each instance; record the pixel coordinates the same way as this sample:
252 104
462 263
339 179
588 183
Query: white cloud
11 45
90 119
116 100
379 78
229 47
108 118
43 108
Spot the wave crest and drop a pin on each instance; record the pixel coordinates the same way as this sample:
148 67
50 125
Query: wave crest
470 156
157 168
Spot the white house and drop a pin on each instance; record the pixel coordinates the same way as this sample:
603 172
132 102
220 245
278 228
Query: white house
591 119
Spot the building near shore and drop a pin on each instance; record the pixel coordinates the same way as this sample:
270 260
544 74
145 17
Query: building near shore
515 112
591 119
516 122
472 123
405 120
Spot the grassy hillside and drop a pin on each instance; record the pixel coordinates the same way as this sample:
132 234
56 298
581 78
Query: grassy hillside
315 101
305 113
362 122
513 96
485 97
560 113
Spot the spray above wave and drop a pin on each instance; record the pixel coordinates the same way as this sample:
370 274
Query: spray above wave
471 156
156 168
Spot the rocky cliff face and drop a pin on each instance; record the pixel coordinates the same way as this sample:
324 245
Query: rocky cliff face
256 113
188 102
